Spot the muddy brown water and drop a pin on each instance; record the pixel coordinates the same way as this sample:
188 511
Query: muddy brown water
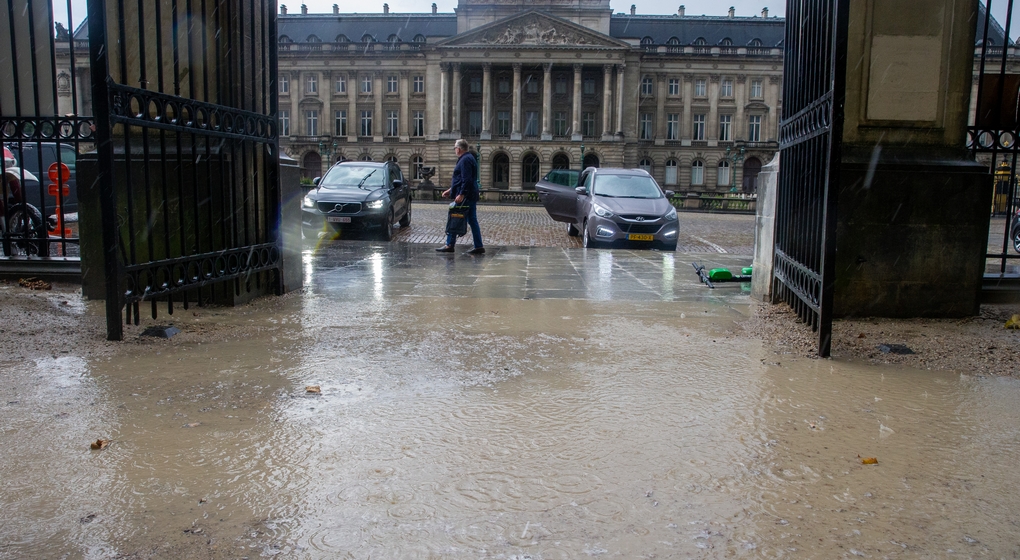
453 426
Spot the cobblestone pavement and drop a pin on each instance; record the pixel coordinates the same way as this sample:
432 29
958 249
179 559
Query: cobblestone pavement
531 226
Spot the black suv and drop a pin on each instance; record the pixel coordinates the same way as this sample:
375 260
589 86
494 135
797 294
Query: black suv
28 154
357 194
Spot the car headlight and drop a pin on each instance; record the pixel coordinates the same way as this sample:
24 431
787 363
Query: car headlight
601 211
671 215
375 204
308 202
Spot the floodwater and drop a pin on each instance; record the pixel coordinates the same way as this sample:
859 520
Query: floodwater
529 404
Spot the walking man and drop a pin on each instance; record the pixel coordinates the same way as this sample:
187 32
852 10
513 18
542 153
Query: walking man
464 191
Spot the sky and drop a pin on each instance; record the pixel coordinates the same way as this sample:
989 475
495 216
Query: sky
647 7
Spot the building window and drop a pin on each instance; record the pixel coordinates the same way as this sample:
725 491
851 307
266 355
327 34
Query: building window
529 171
366 123
366 157
646 126
699 127
474 123
646 164
723 178
754 128
697 173
284 83
588 124
646 85
419 124
673 126
476 84
560 123
531 123
391 84
312 122
671 175
340 122
588 86
503 123
726 88
724 127
504 85
311 84
366 84
341 84
700 88
561 85
531 84
392 123
416 164
755 89
674 87
284 123
419 84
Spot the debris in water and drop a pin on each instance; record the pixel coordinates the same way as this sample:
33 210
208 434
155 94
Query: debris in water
162 331
192 425
35 284
895 349
313 389
87 519
1013 322
99 444
868 460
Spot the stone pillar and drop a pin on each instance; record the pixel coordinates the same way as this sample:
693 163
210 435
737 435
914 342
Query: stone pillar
740 95
770 128
444 97
712 121
487 101
607 102
660 109
515 130
455 87
576 130
765 231
405 113
378 120
687 126
295 98
353 118
620 69
546 101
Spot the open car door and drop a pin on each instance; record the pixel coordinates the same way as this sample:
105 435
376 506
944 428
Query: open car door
556 191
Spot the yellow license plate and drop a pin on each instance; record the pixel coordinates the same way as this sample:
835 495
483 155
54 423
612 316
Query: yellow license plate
641 237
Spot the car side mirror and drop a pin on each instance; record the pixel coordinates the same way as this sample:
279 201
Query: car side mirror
315 181
397 183
669 194
581 190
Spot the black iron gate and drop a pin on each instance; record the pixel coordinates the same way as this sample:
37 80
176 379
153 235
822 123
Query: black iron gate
184 94
994 133
810 137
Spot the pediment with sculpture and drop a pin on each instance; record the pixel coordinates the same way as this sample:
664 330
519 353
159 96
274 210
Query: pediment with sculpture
533 29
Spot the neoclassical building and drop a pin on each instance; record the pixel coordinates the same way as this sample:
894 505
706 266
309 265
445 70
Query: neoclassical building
534 85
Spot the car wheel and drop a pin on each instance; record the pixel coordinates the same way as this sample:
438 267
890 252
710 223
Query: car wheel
572 230
406 220
27 231
387 226
587 241
1015 235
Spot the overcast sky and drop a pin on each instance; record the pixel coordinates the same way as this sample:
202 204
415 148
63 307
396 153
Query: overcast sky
693 7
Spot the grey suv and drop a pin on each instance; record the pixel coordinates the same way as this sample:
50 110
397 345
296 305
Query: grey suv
359 195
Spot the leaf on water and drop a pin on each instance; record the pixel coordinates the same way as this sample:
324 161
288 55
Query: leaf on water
1013 322
99 444
313 389
869 460
192 425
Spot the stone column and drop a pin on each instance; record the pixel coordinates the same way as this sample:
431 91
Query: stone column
515 131
405 114
295 98
353 118
687 127
739 127
607 102
771 132
712 124
619 98
378 119
546 102
660 109
444 97
326 96
455 87
576 130
487 101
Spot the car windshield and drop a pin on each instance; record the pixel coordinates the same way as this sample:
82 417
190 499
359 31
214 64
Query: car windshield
626 186
565 177
352 176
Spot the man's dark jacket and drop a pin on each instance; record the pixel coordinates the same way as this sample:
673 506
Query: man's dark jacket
465 178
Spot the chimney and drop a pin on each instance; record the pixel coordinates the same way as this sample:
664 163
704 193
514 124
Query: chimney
765 12
434 8
283 10
385 8
732 12
633 9
680 12
336 9
304 9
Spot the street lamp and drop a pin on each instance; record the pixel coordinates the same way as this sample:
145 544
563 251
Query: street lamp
478 163
736 157
582 155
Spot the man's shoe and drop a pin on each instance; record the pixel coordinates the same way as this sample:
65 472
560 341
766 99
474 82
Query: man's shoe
476 251
445 249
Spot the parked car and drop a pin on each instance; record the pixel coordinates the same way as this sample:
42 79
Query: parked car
28 154
1014 230
357 194
614 207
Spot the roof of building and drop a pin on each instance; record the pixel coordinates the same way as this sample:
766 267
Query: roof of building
688 29
298 28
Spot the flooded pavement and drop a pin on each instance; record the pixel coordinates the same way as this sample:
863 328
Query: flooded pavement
531 403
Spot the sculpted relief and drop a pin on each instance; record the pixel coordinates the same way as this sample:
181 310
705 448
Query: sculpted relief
533 33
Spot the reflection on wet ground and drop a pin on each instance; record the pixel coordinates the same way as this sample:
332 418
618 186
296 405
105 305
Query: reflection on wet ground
531 403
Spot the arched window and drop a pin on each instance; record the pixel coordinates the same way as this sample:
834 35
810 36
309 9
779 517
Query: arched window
646 41
366 157
419 38
700 42
727 42
393 38
561 161
697 172
673 41
342 39
529 171
646 164
367 38
311 165
752 167
285 39
393 42
501 171
671 174
590 160
723 178
391 158
416 164
313 39
755 43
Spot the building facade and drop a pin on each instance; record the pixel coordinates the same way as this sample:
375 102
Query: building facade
534 86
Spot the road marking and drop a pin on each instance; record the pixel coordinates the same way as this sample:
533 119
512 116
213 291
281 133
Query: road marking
710 244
